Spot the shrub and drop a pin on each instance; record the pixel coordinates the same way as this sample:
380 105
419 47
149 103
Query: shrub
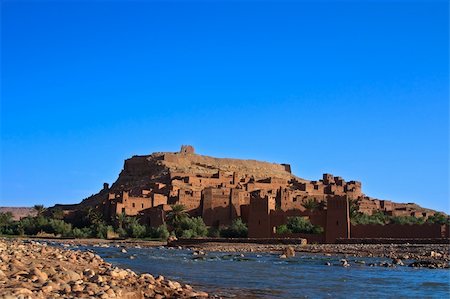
302 225
101 230
84 232
162 232
283 229
59 227
238 229
136 230
195 227
122 233
213 232
439 218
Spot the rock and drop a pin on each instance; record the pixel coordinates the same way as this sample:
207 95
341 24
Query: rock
123 250
22 291
42 276
283 256
96 279
327 264
398 262
344 263
77 288
69 275
171 239
88 273
47 289
289 251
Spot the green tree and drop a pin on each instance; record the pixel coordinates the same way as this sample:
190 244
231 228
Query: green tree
237 229
177 214
121 219
93 216
311 204
191 228
6 219
353 207
283 229
302 225
40 209
133 228
439 218
57 213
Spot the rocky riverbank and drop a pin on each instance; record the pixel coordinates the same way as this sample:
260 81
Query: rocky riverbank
419 252
30 269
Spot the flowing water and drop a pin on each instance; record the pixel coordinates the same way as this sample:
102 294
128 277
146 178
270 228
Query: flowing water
267 276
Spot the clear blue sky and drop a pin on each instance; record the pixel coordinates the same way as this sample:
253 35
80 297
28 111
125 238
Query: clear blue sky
357 89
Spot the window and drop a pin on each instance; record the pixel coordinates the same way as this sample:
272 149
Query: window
142 205
133 205
123 210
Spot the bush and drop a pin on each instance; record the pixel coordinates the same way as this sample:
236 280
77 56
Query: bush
439 218
376 218
213 232
162 232
100 230
84 232
283 229
194 227
406 220
59 227
302 225
136 230
238 229
122 233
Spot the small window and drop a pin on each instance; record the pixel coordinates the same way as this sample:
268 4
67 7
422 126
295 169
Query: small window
134 205
142 205
123 210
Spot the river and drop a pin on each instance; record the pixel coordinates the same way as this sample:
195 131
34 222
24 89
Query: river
267 276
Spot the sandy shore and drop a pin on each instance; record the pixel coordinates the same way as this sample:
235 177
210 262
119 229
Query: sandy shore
30 269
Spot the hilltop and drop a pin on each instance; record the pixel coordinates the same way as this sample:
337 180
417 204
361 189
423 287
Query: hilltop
166 173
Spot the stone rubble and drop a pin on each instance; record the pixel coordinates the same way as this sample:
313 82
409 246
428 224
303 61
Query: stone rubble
35 270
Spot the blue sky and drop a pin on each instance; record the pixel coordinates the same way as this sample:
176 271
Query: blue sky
357 89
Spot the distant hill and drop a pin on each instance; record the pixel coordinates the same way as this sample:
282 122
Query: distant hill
19 212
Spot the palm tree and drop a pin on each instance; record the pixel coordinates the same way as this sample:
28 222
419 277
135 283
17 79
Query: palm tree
176 215
58 214
353 206
121 219
311 204
93 216
131 221
40 209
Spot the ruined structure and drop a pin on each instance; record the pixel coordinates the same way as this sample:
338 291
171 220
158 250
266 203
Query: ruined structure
221 190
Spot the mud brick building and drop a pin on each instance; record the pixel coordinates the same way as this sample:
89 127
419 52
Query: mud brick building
220 190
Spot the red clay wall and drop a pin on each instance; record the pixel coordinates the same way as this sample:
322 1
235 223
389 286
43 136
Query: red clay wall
415 231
